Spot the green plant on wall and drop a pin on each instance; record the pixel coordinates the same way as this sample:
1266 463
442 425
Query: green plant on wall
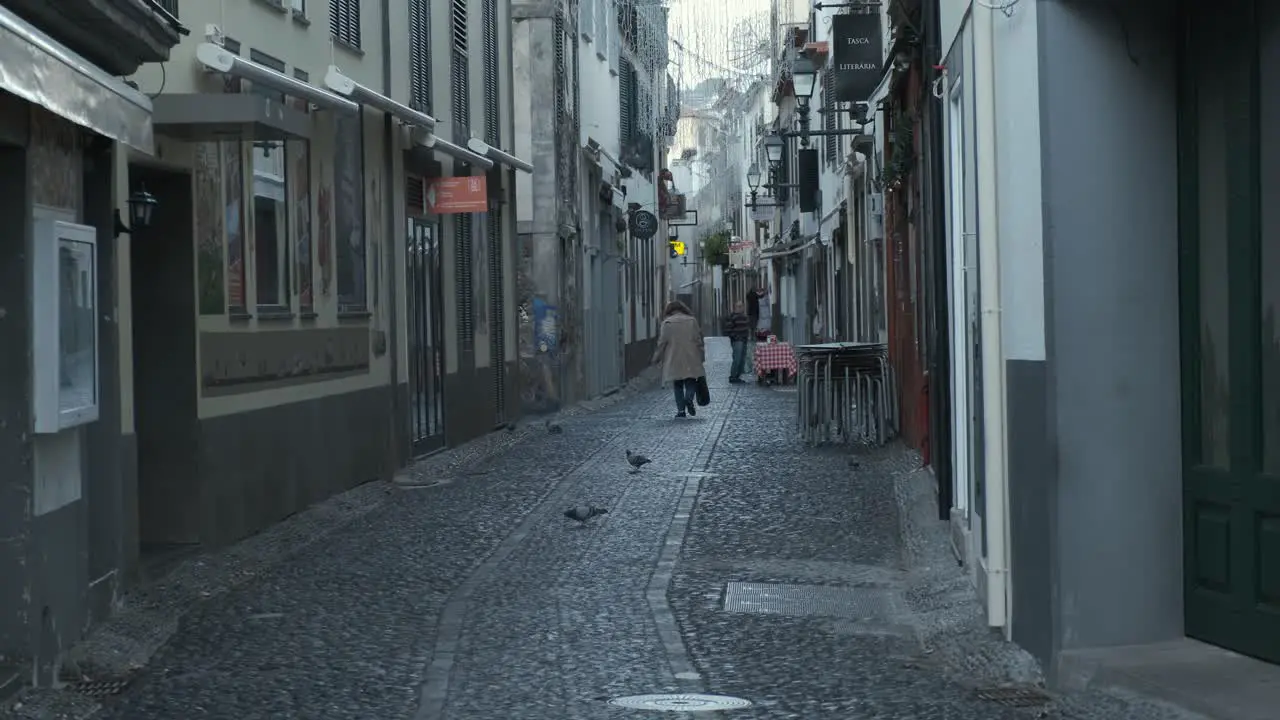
902 154
715 247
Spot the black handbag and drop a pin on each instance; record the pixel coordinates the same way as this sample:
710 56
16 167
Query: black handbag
703 392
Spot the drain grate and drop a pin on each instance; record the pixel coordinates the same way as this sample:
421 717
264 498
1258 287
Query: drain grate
100 688
1018 696
804 600
681 702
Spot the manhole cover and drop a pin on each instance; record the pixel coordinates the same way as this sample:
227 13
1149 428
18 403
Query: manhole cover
100 688
805 600
681 702
1014 696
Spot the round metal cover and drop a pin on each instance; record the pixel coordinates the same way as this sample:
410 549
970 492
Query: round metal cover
681 702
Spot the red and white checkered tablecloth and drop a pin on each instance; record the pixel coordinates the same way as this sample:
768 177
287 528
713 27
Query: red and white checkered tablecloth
775 356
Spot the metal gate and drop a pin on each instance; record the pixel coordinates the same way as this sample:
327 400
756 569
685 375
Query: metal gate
497 318
426 336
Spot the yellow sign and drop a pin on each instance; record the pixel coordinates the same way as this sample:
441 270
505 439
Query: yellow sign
677 248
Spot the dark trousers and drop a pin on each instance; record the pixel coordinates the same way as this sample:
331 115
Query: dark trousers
686 392
739 359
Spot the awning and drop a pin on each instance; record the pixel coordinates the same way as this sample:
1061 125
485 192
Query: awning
197 117
480 147
791 250
457 152
218 59
40 70
345 86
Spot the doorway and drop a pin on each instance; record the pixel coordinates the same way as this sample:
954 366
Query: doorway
1230 286
426 335
162 261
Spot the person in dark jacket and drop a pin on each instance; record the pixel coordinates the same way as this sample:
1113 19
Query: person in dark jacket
738 327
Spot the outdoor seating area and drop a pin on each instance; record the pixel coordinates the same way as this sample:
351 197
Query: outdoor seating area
847 394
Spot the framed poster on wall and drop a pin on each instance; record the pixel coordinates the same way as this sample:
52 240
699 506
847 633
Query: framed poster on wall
64 332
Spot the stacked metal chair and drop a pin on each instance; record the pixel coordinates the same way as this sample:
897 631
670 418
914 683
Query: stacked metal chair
847 394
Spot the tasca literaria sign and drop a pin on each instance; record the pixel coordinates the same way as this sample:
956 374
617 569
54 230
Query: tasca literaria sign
857 52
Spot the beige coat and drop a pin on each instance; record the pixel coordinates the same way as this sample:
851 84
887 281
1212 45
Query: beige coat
680 348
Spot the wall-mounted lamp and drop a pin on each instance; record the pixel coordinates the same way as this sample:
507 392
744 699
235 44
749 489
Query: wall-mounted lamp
141 205
804 77
773 150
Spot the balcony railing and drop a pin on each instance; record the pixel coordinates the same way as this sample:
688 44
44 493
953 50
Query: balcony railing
169 6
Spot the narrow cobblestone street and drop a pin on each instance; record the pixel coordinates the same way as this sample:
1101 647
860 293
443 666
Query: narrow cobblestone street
475 599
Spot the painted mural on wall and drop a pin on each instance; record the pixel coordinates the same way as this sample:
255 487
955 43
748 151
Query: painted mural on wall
238 362
375 237
55 161
210 265
536 376
299 157
233 192
324 236
348 172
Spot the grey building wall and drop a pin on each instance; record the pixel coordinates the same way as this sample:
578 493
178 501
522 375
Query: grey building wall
550 236
62 565
1113 483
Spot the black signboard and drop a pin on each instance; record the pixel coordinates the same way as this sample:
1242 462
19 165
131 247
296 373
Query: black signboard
857 53
644 224
807 163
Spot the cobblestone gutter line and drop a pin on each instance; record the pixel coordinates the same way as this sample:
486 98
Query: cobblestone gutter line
146 617
682 668
952 626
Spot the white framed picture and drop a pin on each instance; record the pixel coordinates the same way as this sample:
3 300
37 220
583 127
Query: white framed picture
64 330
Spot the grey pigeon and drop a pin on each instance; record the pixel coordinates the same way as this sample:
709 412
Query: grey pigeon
637 461
553 428
584 513
511 426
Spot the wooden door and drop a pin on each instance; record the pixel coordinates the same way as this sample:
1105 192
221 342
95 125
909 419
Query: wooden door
1230 258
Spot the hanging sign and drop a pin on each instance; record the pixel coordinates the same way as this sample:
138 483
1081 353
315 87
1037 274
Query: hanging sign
856 56
644 224
450 195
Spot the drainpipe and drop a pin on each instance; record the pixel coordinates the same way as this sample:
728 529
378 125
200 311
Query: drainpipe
996 521
389 242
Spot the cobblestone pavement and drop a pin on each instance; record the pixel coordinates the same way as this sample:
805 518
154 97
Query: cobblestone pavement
474 599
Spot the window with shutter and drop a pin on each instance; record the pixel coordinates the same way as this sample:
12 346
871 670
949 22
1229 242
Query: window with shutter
420 55
831 143
344 21
558 43
491 119
459 73
626 101
415 194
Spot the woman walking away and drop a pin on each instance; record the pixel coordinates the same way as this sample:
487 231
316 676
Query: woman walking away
682 353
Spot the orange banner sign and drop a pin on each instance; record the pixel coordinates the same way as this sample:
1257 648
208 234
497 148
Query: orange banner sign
451 195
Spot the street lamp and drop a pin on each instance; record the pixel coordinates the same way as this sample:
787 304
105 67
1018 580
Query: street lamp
753 177
804 75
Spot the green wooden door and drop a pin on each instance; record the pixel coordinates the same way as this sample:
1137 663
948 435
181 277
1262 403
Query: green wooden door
1229 169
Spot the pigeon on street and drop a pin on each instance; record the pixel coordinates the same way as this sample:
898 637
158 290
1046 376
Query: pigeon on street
511 426
584 513
553 428
637 461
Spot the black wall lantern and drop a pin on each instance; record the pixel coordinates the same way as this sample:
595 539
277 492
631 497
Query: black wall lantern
141 206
